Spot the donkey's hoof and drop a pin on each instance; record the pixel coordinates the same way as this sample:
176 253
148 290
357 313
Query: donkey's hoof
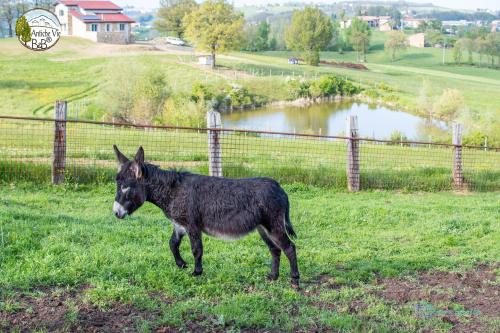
181 264
272 277
196 273
295 284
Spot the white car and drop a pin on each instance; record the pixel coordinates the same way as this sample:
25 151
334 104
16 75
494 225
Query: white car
175 41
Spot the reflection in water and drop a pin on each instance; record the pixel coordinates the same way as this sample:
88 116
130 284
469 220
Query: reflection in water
329 119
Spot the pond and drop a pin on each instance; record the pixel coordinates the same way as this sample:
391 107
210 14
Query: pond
330 119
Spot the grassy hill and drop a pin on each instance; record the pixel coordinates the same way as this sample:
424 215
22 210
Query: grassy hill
76 69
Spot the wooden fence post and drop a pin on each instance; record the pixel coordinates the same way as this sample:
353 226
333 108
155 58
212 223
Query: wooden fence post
352 154
59 157
214 144
458 177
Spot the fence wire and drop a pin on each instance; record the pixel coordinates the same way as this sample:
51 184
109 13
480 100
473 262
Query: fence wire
27 153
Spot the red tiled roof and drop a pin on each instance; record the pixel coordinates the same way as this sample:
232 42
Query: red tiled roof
101 18
91 4
115 18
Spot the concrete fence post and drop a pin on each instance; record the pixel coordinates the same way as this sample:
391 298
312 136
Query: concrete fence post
458 177
352 154
59 154
214 144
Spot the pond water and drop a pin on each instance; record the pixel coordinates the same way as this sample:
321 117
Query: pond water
330 119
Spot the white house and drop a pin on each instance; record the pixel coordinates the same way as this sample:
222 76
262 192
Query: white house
100 21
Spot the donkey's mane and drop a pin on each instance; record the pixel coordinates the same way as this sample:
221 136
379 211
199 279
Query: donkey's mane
154 174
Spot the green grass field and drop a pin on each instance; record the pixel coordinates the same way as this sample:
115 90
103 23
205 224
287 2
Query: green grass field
62 244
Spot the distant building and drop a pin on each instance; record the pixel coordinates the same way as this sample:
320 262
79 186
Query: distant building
417 40
100 21
382 23
495 26
205 60
412 23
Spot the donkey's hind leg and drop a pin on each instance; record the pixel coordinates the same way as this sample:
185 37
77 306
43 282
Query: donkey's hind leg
288 247
275 253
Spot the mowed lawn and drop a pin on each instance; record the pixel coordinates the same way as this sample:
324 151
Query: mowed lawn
369 262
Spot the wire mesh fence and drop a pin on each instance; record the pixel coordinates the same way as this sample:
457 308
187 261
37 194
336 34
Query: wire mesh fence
27 152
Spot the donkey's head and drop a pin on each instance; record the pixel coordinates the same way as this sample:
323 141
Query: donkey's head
130 188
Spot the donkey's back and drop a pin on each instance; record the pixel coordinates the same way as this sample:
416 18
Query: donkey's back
230 208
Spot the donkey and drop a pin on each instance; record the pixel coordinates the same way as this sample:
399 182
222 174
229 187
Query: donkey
220 207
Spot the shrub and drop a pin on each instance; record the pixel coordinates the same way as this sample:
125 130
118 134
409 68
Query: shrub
397 137
225 97
139 99
182 111
298 88
449 104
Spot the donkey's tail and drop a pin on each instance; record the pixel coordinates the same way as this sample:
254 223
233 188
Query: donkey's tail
288 225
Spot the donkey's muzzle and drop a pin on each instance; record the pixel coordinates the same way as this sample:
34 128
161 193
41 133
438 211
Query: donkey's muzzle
119 211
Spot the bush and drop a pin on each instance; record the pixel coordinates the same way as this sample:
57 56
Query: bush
182 111
327 85
449 104
298 88
133 93
225 97
397 137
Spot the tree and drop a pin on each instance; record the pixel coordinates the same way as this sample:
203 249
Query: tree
215 27
396 41
258 38
358 36
23 30
457 51
171 14
468 45
449 104
310 31
8 13
480 46
492 46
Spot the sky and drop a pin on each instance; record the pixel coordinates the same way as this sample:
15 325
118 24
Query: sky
455 4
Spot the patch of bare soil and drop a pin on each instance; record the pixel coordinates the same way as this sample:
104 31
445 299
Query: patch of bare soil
476 292
65 311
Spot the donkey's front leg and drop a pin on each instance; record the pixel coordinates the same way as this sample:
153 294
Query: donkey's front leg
175 242
197 249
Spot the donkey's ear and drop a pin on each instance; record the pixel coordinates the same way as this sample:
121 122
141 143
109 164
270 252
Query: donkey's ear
139 156
122 159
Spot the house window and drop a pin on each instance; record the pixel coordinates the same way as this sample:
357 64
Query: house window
108 27
93 27
122 26
61 12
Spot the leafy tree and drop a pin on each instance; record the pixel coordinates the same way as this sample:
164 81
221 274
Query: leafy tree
23 30
8 13
480 46
215 27
396 41
468 45
358 36
492 46
171 14
449 104
310 31
457 51
258 38
273 44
